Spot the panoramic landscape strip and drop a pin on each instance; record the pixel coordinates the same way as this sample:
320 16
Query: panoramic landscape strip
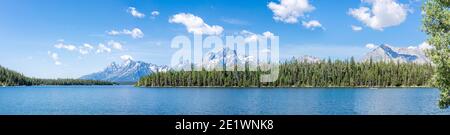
240 58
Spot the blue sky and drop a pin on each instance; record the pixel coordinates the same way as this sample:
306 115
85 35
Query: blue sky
30 30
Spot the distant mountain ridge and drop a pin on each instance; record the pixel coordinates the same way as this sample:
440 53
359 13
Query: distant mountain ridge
128 71
228 57
132 71
217 59
388 53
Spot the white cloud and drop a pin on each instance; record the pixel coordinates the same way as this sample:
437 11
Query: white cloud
382 14
268 34
134 33
356 28
265 51
135 13
155 13
126 57
249 36
412 47
371 46
114 33
289 11
54 57
252 37
83 52
115 45
195 24
425 46
422 46
88 48
102 48
234 21
85 49
66 46
312 24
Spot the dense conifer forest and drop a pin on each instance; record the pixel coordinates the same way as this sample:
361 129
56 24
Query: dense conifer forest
294 73
12 78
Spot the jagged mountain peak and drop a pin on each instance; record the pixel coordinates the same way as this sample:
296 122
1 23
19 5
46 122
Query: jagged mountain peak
386 52
308 58
217 58
127 71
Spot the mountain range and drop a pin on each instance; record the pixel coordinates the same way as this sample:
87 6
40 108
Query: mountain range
228 57
128 71
388 53
132 71
217 59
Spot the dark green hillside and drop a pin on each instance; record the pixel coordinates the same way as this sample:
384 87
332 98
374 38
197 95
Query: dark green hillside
12 78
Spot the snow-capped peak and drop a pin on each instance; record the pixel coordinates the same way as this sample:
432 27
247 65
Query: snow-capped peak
385 52
128 71
217 59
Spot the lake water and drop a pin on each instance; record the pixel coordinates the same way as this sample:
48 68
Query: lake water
117 100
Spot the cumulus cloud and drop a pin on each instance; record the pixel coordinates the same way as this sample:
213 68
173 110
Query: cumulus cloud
85 49
268 34
234 21
54 56
102 48
134 33
155 13
126 57
312 24
88 46
425 46
114 33
371 46
66 46
253 37
422 46
382 14
249 36
289 11
135 13
412 47
115 44
195 24
265 51
356 28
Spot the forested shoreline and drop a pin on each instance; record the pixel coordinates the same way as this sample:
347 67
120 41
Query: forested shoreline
12 78
294 73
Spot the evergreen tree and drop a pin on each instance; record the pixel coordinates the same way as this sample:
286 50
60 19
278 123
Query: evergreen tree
293 73
12 78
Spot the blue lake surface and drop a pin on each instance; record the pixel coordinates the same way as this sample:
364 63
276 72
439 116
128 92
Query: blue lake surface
129 100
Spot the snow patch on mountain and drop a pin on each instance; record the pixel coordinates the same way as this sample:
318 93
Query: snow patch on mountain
217 59
388 53
128 71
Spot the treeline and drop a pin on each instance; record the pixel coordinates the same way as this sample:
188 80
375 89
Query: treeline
12 78
294 73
